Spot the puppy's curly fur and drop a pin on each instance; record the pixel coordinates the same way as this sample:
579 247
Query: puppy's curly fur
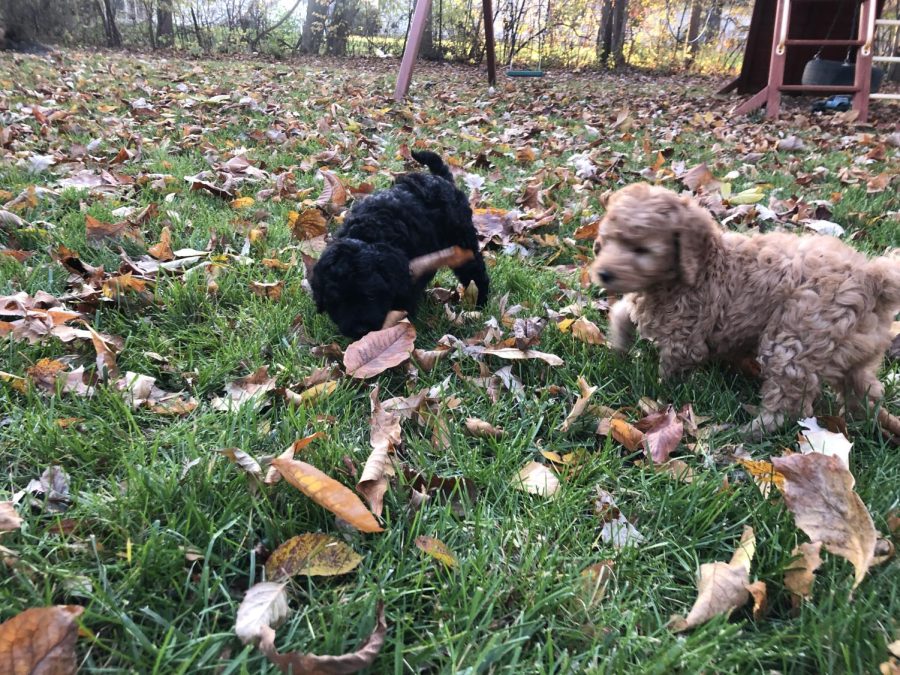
364 272
813 310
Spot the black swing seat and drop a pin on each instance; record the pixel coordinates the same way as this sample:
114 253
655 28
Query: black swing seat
829 73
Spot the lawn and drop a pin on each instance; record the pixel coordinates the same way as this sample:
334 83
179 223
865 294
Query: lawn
159 536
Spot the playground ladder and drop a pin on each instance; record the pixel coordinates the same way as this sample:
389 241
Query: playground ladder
770 95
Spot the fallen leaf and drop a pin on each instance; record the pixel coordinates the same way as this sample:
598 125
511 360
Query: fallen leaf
40 641
311 664
273 475
9 519
513 354
615 529
678 469
722 587
314 393
816 439
327 492
595 580
452 257
308 224
584 396
626 434
271 289
799 577
264 606
760 595
698 177
106 358
790 143
537 479
662 434
246 390
384 437
481 429
379 350
334 196
764 474
244 460
242 202
818 490
97 230
163 250
437 550
312 554
587 331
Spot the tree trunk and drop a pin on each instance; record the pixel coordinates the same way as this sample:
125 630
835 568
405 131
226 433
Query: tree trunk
313 27
605 33
165 31
108 13
619 17
338 31
693 36
197 31
428 49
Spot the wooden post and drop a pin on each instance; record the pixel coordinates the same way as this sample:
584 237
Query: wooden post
489 42
776 63
416 31
863 76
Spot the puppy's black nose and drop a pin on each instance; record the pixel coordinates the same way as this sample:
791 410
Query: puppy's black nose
605 277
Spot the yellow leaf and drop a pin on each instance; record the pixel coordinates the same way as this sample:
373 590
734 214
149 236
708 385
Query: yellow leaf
242 202
565 324
328 493
437 550
314 393
312 554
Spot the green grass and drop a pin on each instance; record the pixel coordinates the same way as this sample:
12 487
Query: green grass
515 603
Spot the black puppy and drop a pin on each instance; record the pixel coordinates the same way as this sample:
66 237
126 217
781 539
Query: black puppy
364 272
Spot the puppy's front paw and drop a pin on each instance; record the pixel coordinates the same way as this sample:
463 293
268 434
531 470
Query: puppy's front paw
622 329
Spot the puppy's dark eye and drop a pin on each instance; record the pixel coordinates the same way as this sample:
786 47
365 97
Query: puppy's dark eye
641 250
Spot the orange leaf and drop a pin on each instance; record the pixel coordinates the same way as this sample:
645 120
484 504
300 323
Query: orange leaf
327 492
307 225
379 350
40 640
334 196
626 434
163 250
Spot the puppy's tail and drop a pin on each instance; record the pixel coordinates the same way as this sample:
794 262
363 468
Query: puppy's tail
434 163
886 270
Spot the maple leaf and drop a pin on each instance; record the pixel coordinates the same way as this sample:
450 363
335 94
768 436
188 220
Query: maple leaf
308 224
818 490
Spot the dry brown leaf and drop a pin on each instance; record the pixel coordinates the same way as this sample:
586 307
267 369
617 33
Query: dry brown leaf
587 231
818 490
9 519
437 550
267 289
537 479
595 580
722 587
251 389
163 250
452 257
40 641
481 429
384 437
760 595
328 493
699 176
379 350
587 331
244 460
334 196
312 554
264 605
799 577
625 433
662 434
513 354
584 396
273 475
106 358
97 230
678 469
307 224
311 664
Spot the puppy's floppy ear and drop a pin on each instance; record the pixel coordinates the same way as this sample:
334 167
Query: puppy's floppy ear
695 234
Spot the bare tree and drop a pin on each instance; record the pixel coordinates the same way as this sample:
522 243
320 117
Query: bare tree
107 10
165 30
